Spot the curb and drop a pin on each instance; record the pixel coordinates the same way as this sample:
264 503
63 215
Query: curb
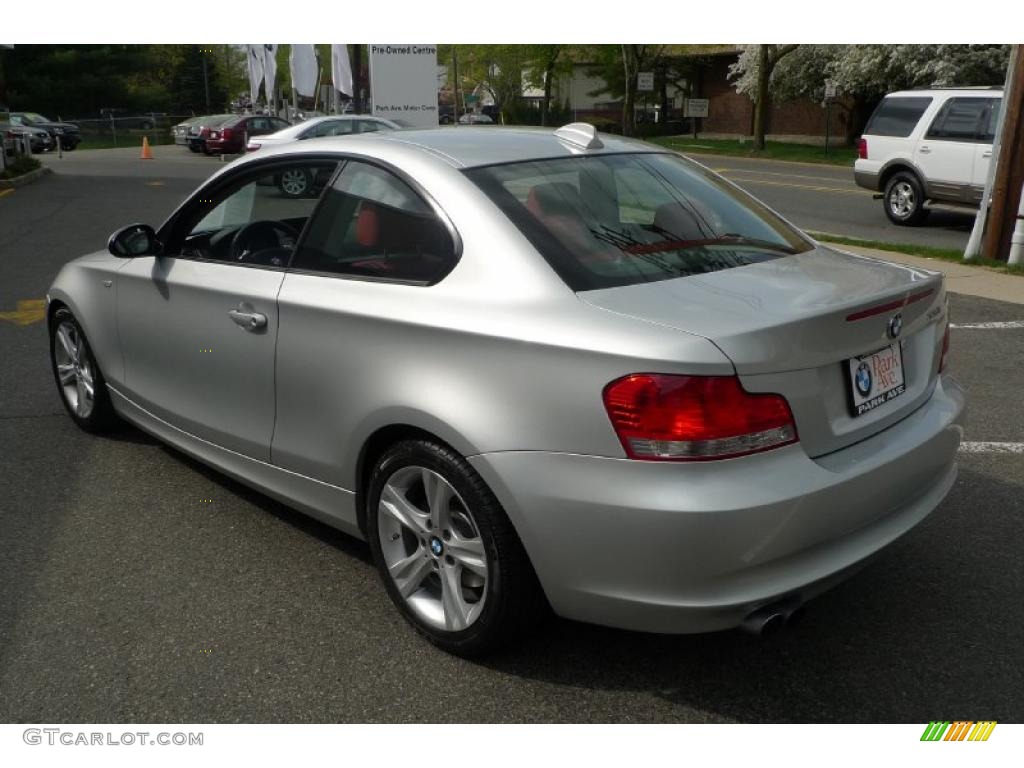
25 178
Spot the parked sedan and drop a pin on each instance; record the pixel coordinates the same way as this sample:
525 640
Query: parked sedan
326 125
201 128
231 136
530 368
39 140
68 134
180 131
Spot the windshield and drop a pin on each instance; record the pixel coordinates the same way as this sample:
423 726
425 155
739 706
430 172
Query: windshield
609 220
35 117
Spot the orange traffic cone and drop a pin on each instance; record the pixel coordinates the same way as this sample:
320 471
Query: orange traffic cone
147 153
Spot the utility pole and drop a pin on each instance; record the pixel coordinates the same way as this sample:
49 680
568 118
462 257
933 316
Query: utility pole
456 86
206 81
1009 173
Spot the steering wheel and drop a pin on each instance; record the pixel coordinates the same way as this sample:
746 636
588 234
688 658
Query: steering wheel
253 241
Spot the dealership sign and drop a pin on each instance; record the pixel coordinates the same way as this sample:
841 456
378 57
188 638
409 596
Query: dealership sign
403 83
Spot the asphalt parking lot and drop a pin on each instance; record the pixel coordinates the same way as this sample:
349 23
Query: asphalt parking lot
138 586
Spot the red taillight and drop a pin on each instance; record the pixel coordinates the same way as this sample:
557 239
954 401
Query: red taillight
693 418
945 350
253 146
862 148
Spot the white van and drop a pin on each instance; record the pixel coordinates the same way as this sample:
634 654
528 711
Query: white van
928 146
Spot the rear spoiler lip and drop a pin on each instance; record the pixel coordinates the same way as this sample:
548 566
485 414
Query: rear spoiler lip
890 306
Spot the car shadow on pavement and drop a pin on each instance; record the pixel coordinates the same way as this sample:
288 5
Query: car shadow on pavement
302 522
932 629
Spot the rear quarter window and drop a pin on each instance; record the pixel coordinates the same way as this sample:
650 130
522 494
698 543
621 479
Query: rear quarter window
897 116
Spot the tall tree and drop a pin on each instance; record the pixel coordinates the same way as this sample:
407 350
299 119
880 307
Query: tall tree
757 63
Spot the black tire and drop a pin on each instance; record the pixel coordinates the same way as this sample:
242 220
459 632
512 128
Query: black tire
299 183
193 148
206 151
101 417
513 603
904 200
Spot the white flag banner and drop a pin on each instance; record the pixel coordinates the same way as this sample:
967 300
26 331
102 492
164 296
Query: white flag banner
302 62
270 72
341 70
255 63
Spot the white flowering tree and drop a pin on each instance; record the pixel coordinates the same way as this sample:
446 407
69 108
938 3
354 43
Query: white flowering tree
865 73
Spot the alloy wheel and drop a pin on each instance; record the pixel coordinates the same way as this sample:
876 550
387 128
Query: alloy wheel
902 200
432 548
294 182
74 369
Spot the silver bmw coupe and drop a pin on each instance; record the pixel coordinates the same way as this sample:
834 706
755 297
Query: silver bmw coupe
534 369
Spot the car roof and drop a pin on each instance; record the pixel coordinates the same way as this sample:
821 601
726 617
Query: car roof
468 147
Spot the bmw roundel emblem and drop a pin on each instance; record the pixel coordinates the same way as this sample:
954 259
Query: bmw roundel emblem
863 379
895 325
436 546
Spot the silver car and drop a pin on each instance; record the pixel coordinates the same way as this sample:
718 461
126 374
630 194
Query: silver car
533 369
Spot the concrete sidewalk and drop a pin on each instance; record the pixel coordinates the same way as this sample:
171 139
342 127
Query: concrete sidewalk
960 278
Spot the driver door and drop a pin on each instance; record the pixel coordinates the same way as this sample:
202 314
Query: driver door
198 324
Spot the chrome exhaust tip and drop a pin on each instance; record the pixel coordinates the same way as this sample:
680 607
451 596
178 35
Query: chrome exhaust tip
769 619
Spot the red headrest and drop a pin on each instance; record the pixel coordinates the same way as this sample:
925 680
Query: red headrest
367 224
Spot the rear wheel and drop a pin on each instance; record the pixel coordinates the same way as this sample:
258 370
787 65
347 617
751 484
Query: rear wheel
450 560
904 199
79 380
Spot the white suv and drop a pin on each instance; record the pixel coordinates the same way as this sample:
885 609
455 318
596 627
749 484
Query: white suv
931 146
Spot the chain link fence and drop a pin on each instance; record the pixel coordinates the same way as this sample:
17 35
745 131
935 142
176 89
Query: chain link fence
126 130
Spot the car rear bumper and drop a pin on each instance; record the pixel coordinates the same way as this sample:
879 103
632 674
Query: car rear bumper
696 547
866 179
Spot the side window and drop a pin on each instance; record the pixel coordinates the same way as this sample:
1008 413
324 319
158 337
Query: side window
368 126
988 133
258 125
371 224
255 220
959 120
334 128
897 116
17 120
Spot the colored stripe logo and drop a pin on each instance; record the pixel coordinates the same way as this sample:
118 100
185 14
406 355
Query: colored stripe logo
959 730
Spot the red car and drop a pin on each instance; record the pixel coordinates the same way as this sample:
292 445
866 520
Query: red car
230 137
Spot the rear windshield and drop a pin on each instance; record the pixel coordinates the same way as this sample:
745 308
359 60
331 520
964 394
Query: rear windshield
897 115
609 220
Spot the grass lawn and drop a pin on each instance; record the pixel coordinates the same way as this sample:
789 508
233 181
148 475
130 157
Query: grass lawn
125 140
774 150
928 252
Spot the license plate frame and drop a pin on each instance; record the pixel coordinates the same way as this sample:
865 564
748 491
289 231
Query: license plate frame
884 380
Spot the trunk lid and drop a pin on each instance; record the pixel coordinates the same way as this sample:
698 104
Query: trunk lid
790 325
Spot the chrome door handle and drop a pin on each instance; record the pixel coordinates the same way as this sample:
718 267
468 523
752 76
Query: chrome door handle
250 321
924 150
987 154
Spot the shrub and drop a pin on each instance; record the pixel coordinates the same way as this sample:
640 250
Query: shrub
19 166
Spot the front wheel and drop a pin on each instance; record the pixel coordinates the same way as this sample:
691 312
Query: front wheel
78 377
449 558
295 183
904 200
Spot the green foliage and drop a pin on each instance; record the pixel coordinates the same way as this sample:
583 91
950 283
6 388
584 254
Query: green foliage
19 166
77 81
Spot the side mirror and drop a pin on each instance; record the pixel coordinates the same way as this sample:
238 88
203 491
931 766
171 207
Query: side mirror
134 240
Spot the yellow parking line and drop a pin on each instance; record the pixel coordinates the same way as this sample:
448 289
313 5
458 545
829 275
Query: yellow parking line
802 186
776 173
6 191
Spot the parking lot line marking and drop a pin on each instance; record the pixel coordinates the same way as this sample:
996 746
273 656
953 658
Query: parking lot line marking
991 447
6 191
989 326
27 312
